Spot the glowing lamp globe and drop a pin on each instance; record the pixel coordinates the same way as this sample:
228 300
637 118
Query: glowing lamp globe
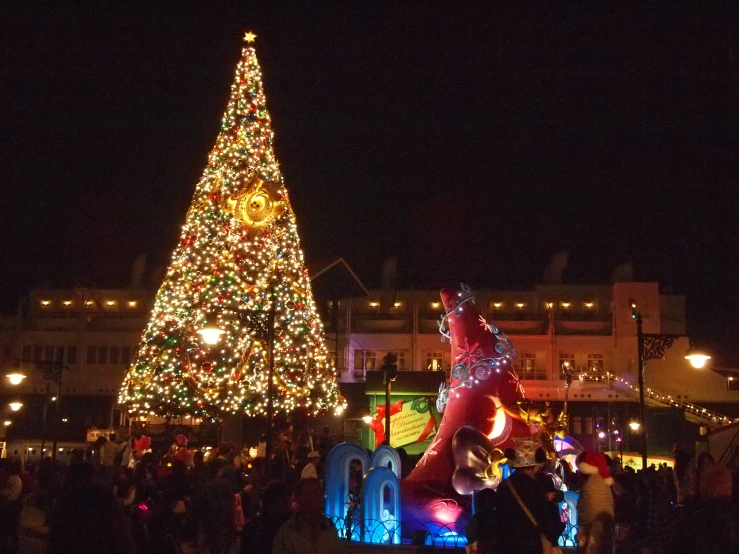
634 425
253 452
367 419
697 359
211 334
7 423
15 406
15 378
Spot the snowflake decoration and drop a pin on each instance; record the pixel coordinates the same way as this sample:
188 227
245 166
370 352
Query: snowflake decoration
469 354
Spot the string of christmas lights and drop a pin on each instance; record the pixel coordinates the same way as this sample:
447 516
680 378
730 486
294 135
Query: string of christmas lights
238 257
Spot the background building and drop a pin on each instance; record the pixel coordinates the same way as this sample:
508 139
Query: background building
589 328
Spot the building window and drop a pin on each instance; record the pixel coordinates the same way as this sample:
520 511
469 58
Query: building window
90 354
529 371
401 358
126 355
26 353
114 354
102 354
49 353
71 354
587 427
595 363
7 353
434 360
38 352
566 361
59 354
365 359
577 425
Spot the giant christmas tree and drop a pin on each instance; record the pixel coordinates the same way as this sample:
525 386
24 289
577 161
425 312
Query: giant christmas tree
237 267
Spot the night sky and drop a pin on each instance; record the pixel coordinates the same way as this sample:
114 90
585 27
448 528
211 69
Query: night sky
471 144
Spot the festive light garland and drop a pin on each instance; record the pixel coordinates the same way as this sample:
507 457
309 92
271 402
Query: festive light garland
238 256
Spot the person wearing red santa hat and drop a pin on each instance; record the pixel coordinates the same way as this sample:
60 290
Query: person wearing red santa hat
595 508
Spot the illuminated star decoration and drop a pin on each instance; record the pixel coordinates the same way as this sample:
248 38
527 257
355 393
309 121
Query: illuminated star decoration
468 356
249 37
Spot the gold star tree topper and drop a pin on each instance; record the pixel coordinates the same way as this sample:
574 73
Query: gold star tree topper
249 37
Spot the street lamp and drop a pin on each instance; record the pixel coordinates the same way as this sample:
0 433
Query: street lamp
211 334
15 378
7 423
697 359
368 419
634 425
15 406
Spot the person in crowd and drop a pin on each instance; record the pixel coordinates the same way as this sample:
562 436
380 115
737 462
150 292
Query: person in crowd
713 526
308 531
197 478
624 514
226 452
684 475
703 463
87 518
217 515
595 507
259 533
108 457
482 529
521 498
325 442
310 471
656 520
11 505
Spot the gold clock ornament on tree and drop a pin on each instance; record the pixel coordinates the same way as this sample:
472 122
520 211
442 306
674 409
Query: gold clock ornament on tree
259 205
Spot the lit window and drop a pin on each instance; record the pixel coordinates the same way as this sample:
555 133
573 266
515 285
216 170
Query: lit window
529 371
434 360
595 362
365 359
401 358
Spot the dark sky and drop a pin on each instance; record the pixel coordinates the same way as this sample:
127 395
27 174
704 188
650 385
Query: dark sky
472 144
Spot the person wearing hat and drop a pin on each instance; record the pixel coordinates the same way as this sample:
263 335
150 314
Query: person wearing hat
311 468
595 508
522 498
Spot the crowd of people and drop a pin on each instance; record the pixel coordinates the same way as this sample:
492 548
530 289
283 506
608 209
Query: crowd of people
691 508
120 496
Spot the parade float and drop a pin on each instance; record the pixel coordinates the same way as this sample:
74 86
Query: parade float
484 412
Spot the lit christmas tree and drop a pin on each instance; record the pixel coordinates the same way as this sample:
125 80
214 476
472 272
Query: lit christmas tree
238 266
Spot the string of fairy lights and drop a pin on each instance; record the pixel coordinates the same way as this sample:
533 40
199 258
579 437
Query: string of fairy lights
238 256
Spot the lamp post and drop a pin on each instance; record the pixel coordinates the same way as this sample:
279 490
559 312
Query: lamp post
211 335
651 346
390 367
51 370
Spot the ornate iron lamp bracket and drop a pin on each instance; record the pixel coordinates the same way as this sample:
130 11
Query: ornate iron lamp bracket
655 345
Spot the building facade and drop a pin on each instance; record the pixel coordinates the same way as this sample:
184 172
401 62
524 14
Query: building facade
589 329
